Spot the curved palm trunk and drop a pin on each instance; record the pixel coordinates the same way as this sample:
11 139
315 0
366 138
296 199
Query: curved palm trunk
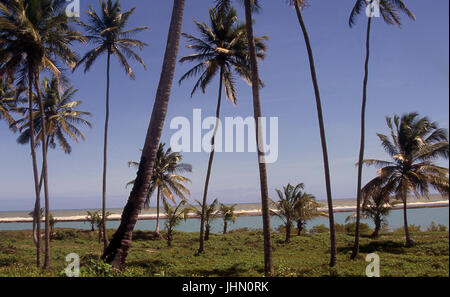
268 260
409 241
361 149
333 259
37 205
105 154
157 234
208 172
44 170
118 248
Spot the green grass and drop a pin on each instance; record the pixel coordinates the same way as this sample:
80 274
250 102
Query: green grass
235 254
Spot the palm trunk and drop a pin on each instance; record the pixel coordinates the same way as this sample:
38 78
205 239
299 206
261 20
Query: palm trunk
207 231
377 227
361 149
37 205
119 246
225 226
333 259
44 170
157 234
409 241
268 260
105 154
211 158
288 233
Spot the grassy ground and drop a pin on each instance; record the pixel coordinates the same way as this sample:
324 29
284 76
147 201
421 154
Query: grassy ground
235 254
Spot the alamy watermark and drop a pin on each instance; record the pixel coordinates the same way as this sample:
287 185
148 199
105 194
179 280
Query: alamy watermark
73 8
230 135
373 8
373 268
73 268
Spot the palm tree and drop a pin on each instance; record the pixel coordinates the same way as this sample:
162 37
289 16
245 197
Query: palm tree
166 179
221 50
9 97
210 214
376 206
389 11
107 32
119 246
92 218
414 144
307 209
299 6
250 6
228 214
36 36
174 217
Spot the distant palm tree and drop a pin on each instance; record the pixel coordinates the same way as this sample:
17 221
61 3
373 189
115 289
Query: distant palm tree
174 217
107 32
294 205
299 6
166 179
35 36
389 11
221 50
377 205
119 246
228 214
210 214
92 217
250 7
414 144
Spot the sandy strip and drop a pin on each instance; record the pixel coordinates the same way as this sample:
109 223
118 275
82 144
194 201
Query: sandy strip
253 212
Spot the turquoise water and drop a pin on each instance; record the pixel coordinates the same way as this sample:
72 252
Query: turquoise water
421 216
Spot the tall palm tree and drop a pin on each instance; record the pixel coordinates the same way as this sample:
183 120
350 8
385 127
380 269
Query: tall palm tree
415 143
36 35
299 6
228 214
119 246
250 7
167 180
108 33
389 10
221 50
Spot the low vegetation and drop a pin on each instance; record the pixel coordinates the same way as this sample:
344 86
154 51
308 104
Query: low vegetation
238 253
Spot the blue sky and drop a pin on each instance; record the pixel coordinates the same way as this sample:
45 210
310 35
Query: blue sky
409 71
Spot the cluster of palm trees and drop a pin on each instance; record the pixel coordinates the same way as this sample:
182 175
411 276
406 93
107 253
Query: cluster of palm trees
36 37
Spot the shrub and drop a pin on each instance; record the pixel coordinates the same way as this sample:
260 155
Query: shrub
63 235
350 228
340 228
319 229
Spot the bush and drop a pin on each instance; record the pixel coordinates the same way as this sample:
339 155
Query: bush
98 268
340 228
350 228
319 229
63 235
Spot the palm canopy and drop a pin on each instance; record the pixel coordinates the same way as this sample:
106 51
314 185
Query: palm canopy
228 212
222 47
9 99
61 116
255 5
389 10
35 33
108 33
167 175
210 210
413 145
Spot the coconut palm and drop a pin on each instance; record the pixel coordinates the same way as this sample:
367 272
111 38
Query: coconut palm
306 209
119 246
210 214
221 50
299 6
174 217
228 214
61 117
389 10
376 206
92 217
36 36
415 143
250 7
107 31
9 97
167 180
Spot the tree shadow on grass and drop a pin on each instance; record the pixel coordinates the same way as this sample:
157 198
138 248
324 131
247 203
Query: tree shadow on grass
387 246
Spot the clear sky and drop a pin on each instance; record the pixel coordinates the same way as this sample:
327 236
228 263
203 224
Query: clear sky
409 71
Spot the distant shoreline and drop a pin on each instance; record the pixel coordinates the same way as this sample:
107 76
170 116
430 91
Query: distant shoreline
253 212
